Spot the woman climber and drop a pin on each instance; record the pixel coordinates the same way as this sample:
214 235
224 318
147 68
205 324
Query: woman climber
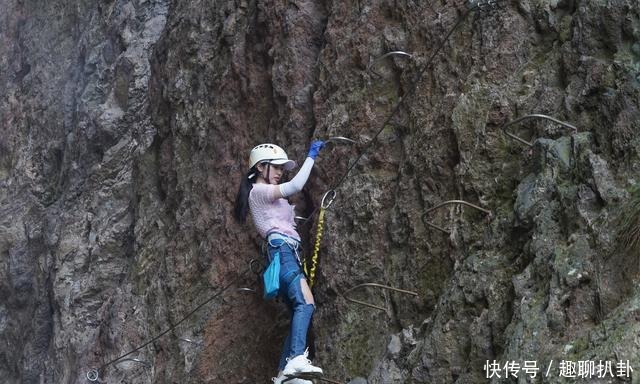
273 217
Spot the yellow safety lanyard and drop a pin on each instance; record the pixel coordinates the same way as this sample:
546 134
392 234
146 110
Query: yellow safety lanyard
310 267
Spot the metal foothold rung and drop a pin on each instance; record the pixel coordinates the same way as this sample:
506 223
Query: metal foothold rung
338 139
392 53
533 116
377 286
483 5
191 341
135 360
450 202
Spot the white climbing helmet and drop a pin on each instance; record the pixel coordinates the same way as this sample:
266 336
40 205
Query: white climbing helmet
270 153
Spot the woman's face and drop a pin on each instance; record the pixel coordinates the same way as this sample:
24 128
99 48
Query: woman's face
275 172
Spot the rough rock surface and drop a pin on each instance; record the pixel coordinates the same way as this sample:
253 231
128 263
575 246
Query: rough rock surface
125 127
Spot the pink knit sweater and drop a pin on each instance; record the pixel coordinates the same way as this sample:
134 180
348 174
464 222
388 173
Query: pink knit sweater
269 214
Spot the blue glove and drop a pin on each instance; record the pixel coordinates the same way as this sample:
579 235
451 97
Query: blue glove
316 146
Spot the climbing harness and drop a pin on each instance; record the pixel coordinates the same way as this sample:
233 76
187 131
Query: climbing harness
533 116
451 202
376 285
94 373
310 270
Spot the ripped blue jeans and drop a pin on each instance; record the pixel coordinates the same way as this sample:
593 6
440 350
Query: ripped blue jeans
291 292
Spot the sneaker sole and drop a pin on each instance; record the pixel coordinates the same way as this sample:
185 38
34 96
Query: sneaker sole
303 375
290 379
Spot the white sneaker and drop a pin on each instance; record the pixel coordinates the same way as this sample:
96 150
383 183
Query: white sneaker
299 381
281 378
301 364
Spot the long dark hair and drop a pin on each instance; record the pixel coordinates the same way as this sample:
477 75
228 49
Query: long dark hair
242 198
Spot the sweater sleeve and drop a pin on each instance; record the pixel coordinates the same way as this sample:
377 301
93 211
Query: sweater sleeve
295 185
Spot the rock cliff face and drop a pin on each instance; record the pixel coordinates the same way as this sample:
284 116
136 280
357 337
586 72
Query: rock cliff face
125 131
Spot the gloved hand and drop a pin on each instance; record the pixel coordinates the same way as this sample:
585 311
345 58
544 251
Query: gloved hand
316 146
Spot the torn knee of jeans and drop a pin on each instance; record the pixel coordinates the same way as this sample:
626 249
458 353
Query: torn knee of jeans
308 302
306 294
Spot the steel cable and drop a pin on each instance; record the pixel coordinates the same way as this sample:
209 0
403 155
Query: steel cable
399 104
95 372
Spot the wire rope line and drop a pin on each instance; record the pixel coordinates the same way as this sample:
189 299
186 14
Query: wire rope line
93 374
400 103
376 285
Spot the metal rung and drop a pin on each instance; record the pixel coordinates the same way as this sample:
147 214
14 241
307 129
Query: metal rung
392 53
340 139
451 202
259 265
484 5
377 286
191 341
135 360
533 116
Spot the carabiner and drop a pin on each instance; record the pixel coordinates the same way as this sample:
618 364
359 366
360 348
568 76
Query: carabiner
327 203
93 375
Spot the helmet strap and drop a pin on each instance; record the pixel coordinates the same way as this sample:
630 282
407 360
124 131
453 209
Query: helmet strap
268 169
